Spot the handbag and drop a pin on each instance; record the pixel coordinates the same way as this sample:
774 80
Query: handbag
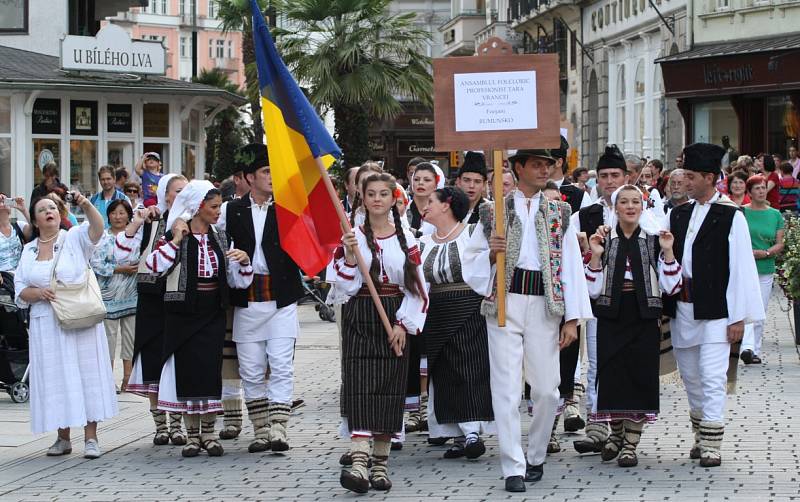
77 306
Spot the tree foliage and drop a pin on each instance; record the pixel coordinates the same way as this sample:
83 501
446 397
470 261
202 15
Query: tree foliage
227 133
356 59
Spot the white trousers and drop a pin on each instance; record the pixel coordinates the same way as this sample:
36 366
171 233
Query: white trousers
754 333
231 389
704 370
530 335
591 372
254 359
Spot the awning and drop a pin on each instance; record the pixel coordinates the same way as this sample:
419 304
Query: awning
764 65
20 69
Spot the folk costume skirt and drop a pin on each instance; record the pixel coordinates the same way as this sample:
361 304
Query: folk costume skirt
191 380
458 357
373 377
148 344
628 353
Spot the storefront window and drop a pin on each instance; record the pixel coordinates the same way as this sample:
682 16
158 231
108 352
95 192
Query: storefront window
783 124
713 120
190 128
156 120
162 149
44 152
83 166
120 154
189 160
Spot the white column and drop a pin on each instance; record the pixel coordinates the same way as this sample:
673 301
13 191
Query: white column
21 148
630 85
613 80
649 111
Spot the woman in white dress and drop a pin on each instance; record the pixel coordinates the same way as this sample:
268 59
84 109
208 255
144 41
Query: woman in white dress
71 380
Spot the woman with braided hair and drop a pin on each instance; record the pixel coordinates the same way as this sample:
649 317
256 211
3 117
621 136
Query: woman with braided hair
374 368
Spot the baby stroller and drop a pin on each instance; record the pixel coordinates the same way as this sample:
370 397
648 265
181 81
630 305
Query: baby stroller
13 344
316 291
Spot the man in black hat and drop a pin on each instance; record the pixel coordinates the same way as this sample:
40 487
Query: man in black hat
576 198
265 319
546 283
612 173
569 357
472 180
718 295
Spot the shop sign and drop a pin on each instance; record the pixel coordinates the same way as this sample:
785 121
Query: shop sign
120 118
414 122
46 116
415 147
377 144
714 74
112 50
83 118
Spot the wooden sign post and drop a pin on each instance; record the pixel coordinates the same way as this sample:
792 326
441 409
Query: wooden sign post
503 100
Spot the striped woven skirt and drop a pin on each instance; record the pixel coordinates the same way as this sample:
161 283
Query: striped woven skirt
373 377
458 356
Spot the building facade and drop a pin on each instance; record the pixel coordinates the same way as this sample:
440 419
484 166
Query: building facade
554 27
174 22
623 92
53 111
740 77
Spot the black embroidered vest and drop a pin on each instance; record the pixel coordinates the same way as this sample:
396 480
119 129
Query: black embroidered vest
710 259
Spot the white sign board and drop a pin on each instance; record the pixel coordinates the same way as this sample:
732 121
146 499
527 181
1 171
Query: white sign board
500 101
112 50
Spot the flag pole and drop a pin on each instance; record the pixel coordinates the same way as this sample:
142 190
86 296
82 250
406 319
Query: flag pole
362 266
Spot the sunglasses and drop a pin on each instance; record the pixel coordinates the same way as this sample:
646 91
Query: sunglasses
131 191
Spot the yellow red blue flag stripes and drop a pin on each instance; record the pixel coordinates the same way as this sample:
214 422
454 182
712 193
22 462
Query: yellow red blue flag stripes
307 222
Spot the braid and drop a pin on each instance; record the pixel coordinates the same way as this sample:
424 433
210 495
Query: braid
375 267
354 209
409 267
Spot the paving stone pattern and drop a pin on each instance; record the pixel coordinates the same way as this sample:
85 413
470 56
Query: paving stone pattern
760 450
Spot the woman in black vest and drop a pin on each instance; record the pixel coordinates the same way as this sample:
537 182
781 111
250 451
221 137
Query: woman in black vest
142 232
628 271
200 269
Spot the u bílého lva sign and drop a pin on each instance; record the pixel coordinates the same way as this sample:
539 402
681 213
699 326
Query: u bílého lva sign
112 50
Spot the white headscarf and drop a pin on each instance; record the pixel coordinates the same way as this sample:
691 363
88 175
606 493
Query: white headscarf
650 221
188 202
161 192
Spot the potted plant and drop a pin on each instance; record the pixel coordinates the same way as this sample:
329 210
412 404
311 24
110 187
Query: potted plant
789 269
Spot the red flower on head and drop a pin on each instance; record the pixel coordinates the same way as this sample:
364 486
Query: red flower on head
563 197
398 193
438 178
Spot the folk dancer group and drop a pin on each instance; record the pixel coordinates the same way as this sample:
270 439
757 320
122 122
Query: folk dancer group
199 259
618 264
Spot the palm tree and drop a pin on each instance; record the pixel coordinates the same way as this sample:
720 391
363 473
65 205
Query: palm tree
356 59
235 15
225 135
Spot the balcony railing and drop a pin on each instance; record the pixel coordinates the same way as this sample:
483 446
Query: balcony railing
520 8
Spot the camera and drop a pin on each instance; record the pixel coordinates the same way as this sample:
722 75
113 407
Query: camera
69 198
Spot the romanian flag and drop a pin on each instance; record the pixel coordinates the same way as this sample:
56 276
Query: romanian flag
307 222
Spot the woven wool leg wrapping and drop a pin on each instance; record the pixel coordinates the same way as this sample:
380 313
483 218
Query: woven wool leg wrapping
553 446
192 447
614 441
232 409
207 436
176 434
257 411
696 416
379 474
160 419
711 434
630 440
355 479
278 416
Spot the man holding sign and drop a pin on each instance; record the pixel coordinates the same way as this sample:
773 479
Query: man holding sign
545 282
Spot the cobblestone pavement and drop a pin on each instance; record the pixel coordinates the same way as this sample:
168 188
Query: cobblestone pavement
760 450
